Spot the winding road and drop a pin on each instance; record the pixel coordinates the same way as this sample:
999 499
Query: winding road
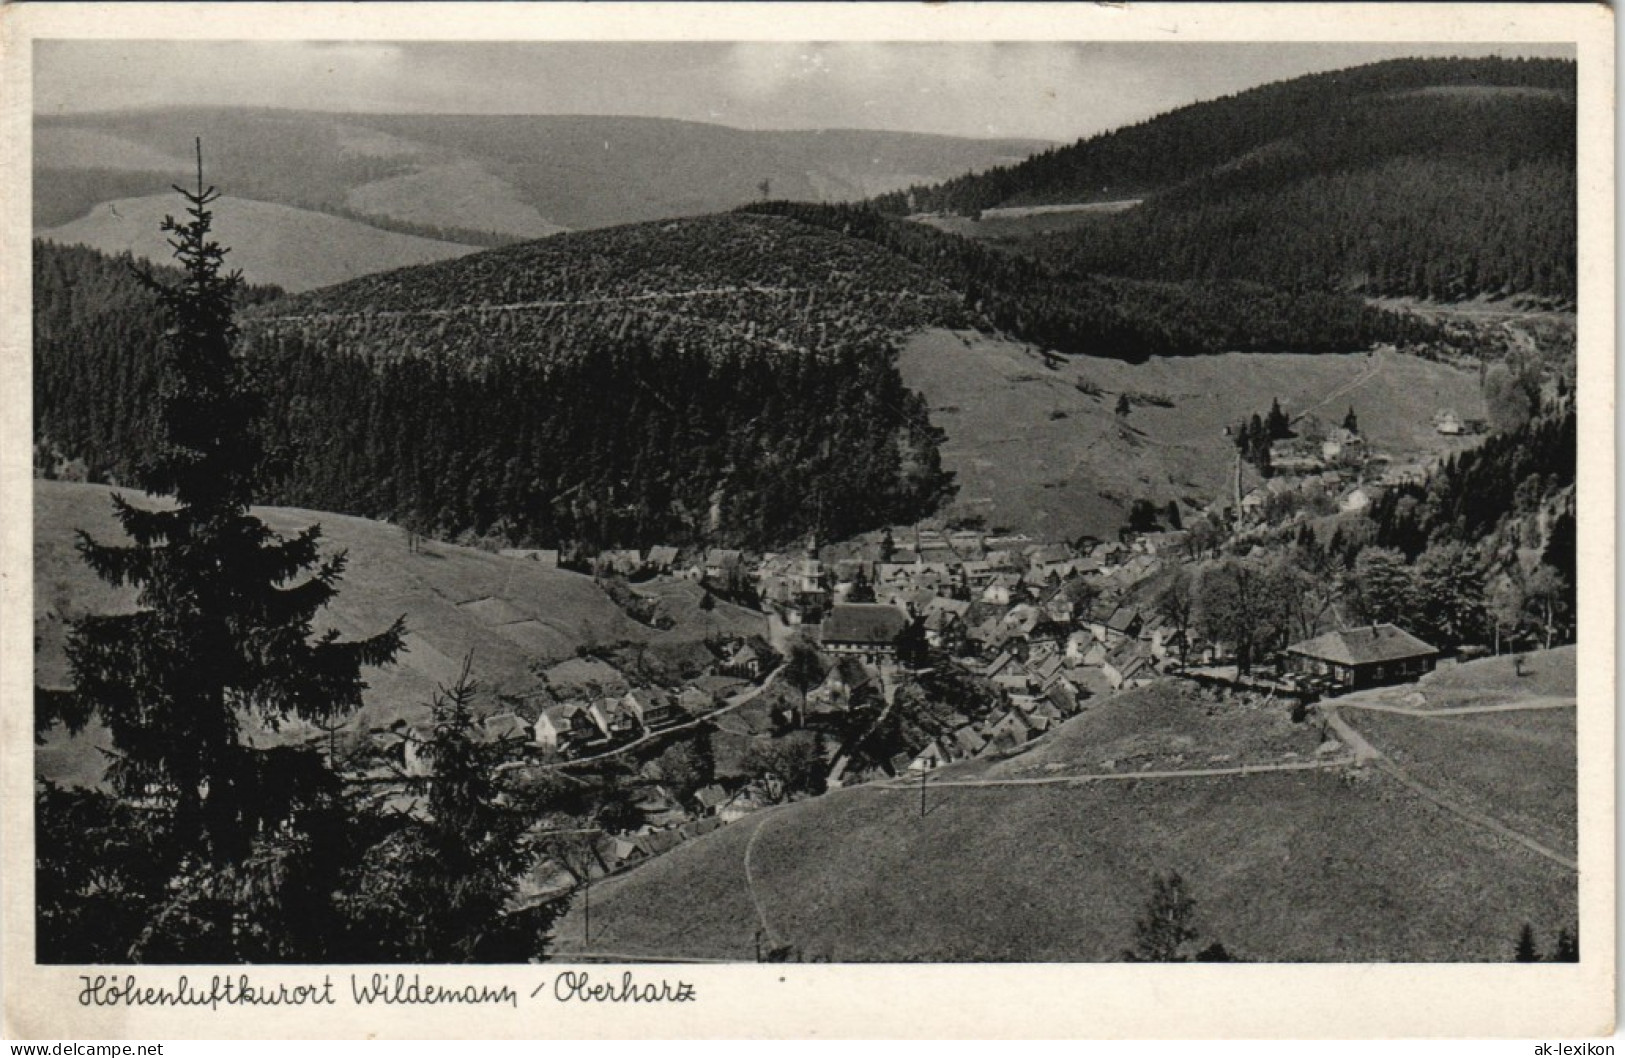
742 699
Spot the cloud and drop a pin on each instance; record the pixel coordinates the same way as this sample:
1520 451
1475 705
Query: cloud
95 75
1057 91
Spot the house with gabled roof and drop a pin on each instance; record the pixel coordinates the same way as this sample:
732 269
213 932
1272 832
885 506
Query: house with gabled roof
1044 673
722 562
654 708
1020 620
1012 729
622 562
1367 656
1063 696
1129 666
966 542
656 842
977 572
936 754
1002 562
1001 589
968 740
503 727
619 718
865 630
570 725
845 683
1008 672
710 799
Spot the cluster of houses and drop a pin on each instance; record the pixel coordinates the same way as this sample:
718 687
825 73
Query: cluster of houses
1048 624
1340 469
590 725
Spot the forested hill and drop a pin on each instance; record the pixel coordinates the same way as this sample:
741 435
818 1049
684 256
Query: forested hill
1444 178
728 379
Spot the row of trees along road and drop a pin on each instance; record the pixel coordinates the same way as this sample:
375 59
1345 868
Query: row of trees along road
208 848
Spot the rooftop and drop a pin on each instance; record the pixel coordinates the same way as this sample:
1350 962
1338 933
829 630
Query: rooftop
1363 646
863 622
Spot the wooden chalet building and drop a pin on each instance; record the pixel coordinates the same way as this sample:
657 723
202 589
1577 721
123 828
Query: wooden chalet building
1363 657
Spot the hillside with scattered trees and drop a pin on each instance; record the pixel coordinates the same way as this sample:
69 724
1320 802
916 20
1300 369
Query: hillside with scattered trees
1068 310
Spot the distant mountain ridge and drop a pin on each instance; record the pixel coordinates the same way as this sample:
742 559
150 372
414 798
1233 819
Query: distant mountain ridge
1441 178
508 176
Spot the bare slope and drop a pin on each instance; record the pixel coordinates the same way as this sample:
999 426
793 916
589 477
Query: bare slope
1033 452
296 249
1327 865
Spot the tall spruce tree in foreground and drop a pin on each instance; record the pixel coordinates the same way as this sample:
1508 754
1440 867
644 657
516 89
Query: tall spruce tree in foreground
222 633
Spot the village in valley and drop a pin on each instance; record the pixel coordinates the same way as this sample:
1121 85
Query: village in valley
635 538
886 657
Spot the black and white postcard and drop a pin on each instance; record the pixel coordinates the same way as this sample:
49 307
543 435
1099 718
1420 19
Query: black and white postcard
800 519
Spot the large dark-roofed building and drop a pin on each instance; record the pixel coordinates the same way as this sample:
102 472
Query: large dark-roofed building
863 628
1364 656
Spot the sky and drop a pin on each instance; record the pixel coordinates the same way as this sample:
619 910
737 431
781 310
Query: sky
1053 91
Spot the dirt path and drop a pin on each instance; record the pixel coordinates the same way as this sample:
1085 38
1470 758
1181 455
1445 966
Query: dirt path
1527 705
562 303
750 881
1365 752
913 785
1369 373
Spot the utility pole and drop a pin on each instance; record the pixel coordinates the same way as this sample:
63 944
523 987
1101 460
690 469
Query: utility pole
586 926
1238 486
922 792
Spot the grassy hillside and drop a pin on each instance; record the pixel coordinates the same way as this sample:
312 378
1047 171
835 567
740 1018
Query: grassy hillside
1444 178
296 249
510 615
1330 865
1495 681
514 175
1518 767
1033 452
